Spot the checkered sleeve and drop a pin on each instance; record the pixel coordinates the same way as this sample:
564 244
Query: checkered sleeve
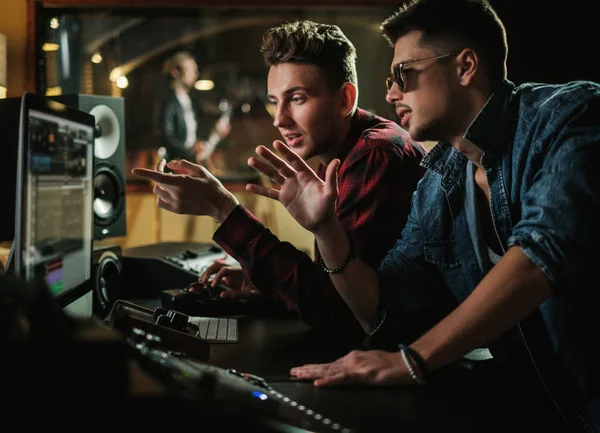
375 188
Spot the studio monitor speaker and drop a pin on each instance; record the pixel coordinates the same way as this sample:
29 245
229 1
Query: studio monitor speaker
108 279
109 168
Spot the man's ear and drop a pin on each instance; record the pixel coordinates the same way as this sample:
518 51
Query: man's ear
348 93
175 72
468 66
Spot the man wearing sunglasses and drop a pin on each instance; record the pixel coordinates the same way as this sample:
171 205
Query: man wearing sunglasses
504 221
312 85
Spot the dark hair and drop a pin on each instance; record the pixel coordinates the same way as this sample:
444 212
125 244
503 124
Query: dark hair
452 25
322 45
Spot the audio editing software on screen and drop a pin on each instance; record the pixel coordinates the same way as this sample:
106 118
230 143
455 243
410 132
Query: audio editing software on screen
58 193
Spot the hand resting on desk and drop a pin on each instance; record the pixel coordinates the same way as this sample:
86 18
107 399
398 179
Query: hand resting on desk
373 367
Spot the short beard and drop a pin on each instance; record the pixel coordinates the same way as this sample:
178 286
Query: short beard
428 132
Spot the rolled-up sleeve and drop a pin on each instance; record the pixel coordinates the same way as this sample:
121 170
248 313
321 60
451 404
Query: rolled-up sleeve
558 229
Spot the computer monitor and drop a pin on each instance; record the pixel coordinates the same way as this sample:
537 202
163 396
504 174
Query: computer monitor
54 201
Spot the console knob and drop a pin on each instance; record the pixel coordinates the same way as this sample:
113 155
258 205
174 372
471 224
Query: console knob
189 254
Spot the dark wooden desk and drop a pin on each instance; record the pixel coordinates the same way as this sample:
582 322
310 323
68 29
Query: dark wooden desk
270 347
479 401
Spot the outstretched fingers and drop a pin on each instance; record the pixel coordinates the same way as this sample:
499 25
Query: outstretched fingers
165 205
263 190
276 162
186 167
163 192
266 169
331 180
290 156
156 176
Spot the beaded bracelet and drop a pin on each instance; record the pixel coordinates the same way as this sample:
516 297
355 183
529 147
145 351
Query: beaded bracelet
410 356
341 267
410 368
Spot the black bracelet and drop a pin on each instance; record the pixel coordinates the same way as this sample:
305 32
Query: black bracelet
341 267
417 359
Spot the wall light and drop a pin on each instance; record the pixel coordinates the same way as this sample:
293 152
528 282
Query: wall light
97 58
54 91
50 46
3 83
115 74
122 82
204 85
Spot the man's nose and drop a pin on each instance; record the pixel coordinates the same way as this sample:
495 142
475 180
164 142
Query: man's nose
282 117
394 94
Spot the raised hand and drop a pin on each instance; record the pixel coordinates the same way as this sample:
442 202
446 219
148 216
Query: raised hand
230 276
192 190
305 196
374 367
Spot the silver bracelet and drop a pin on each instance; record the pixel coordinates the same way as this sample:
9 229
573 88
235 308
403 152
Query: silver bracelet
410 368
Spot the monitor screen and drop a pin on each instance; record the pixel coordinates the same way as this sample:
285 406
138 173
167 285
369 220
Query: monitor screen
54 199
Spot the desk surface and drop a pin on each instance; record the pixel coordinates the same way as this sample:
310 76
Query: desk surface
466 402
270 347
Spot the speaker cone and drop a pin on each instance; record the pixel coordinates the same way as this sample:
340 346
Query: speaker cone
108 194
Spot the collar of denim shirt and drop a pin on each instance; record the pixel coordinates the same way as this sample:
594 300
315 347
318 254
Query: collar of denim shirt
485 131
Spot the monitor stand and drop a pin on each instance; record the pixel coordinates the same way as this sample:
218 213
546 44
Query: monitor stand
81 308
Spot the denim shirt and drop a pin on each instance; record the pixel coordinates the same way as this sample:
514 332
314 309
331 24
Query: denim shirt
541 155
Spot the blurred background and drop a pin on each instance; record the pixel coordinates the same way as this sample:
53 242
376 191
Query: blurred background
118 48
122 53
117 51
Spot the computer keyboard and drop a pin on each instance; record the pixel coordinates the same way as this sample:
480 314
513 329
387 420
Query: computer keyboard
215 329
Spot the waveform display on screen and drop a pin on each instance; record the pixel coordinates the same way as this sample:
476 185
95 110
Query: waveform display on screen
58 212
58 194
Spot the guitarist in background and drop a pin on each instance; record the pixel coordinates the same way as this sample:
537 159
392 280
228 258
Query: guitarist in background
180 124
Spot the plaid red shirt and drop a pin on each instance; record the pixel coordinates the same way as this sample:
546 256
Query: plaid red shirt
378 173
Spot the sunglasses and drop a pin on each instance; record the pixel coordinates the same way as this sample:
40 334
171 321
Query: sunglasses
399 74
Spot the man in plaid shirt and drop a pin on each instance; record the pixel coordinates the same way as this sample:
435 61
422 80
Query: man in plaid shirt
313 85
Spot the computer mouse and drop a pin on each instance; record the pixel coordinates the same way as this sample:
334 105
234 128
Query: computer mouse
202 303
